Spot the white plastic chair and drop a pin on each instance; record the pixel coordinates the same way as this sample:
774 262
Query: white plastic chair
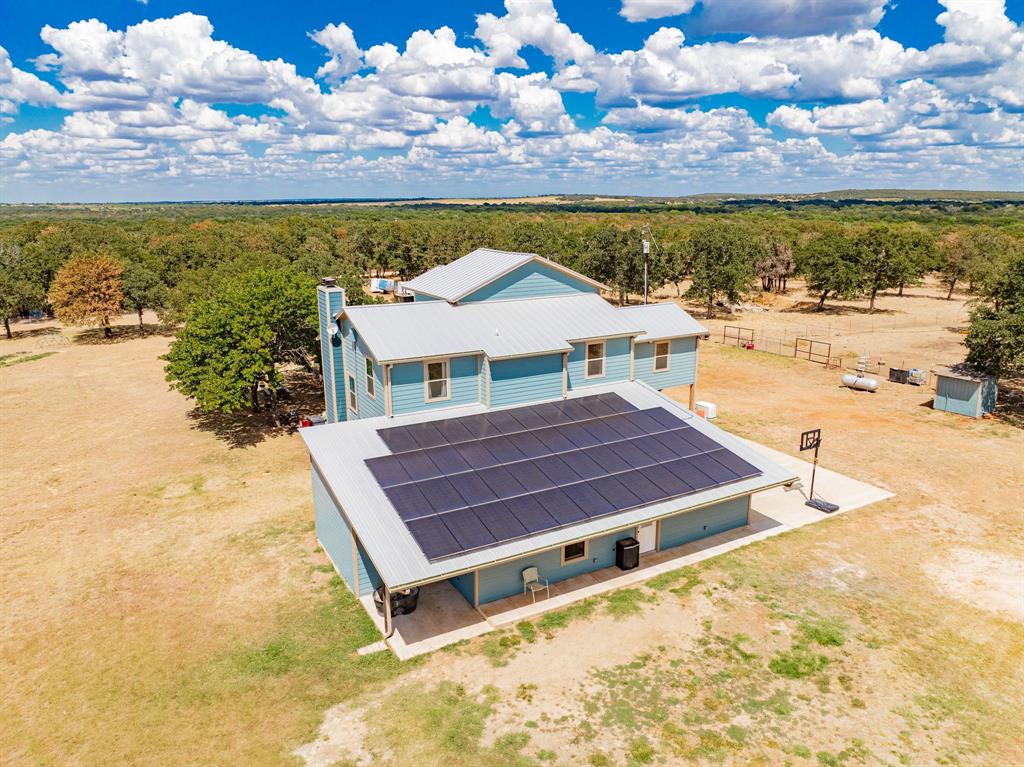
533 583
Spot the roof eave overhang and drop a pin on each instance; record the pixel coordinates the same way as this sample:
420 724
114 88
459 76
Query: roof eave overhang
566 542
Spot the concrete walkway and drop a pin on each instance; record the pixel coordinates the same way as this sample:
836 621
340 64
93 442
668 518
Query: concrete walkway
444 617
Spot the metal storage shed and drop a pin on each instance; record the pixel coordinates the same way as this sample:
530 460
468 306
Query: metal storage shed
960 390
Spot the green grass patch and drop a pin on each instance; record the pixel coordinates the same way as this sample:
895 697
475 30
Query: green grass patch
681 581
625 602
500 647
527 631
827 632
798 662
641 751
559 619
16 358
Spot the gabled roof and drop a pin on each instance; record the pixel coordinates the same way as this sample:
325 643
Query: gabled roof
453 282
661 321
499 329
339 451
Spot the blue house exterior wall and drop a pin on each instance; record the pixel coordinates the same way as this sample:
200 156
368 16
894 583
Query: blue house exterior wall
693 525
330 301
616 363
526 379
464 585
356 354
532 280
682 364
333 531
336 538
408 392
505 580
970 398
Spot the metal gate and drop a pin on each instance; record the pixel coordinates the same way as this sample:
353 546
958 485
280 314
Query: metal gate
737 336
813 351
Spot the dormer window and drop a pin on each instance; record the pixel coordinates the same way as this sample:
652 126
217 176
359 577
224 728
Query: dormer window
595 359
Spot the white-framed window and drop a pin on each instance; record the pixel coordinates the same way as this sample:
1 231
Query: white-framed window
371 389
662 351
353 399
595 359
437 375
574 551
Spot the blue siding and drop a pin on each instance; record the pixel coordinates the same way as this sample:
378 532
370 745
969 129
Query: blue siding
464 585
419 297
971 398
369 580
616 363
505 580
682 364
332 530
356 354
329 302
530 280
526 379
408 393
701 523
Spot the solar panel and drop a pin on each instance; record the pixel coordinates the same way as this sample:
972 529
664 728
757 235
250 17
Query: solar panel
465 483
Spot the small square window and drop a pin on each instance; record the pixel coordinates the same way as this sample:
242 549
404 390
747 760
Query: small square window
574 551
595 359
438 380
661 356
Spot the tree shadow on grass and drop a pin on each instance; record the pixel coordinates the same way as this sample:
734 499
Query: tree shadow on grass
305 395
811 307
121 333
1010 402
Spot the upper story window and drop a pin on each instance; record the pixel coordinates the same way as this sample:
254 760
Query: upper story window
661 356
438 380
353 400
371 390
595 359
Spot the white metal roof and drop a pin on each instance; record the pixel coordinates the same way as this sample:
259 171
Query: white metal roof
662 321
454 281
499 329
339 450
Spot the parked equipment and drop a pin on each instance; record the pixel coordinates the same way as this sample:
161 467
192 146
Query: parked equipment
917 377
402 602
863 383
899 375
627 553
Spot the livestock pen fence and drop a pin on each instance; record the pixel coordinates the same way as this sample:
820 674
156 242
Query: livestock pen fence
785 345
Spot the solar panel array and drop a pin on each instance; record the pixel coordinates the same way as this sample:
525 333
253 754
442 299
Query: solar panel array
467 483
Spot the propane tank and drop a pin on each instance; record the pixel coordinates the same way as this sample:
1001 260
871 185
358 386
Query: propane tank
860 382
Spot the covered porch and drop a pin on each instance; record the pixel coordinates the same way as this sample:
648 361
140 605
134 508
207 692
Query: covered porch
444 617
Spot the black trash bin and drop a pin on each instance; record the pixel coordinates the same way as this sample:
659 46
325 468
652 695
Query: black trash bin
402 602
627 553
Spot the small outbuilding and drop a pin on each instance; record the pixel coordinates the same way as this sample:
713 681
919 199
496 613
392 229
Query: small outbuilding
958 389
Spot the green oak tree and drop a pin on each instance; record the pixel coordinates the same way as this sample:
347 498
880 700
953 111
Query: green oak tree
722 258
995 341
830 264
236 339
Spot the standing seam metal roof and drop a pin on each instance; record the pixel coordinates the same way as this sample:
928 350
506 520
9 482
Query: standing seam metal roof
662 321
499 329
339 450
454 281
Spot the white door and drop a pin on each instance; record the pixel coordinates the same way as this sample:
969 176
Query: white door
646 535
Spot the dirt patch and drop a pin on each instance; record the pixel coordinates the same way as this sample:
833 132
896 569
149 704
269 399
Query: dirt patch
990 581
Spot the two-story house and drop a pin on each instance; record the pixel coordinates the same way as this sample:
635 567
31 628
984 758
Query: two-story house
510 418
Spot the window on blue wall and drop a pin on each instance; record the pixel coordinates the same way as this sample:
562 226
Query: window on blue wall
661 356
595 359
438 383
574 551
370 390
353 400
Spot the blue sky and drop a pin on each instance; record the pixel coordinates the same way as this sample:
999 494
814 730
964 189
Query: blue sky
124 100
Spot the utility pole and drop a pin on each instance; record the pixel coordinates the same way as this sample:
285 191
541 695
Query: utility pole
647 252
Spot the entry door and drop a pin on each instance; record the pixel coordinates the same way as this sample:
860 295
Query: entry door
646 535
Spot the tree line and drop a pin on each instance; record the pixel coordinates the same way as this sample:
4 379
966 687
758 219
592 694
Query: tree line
199 271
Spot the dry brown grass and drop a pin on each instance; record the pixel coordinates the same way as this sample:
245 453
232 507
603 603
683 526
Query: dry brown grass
165 605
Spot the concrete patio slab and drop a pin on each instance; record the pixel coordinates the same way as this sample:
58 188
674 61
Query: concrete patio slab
444 617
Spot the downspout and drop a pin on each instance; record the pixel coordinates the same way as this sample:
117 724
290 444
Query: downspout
565 374
632 355
388 407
